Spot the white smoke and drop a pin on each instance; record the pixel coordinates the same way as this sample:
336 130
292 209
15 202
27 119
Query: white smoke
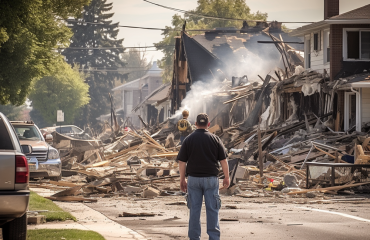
196 98
250 64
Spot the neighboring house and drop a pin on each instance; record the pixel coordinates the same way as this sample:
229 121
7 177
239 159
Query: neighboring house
134 92
339 48
155 108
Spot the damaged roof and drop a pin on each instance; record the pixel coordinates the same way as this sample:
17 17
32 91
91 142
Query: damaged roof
158 95
229 51
202 63
214 42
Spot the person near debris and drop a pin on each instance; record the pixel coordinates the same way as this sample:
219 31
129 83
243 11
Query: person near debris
184 126
199 158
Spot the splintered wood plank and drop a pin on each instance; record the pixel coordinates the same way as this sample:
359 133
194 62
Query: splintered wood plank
121 152
328 188
301 158
100 164
68 192
64 184
214 129
71 199
174 154
126 214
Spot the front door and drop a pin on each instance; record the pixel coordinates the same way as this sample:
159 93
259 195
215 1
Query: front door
352 111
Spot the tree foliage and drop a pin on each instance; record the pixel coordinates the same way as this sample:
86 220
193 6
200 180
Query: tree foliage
64 89
13 113
30 31
137 64
216 8
96 61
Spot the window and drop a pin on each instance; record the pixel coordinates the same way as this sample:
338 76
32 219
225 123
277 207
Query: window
316 42
5 140
64 130
27 133
307 52
365 44
357 45
353 46
326 36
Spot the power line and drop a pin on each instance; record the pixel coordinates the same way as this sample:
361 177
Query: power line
124 26
173 30
108 70
211 17
107 48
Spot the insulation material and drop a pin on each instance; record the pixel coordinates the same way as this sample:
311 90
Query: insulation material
292 105
264 118
310 88
298 70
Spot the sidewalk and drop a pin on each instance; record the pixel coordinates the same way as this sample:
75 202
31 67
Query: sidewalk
87 219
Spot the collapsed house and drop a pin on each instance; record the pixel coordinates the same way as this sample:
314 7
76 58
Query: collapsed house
240 55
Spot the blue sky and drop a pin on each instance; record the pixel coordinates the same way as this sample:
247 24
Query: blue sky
140 13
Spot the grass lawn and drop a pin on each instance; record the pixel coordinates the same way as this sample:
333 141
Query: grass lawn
67 234
54 213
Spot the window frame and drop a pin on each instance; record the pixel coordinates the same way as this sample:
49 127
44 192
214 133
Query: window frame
317 48
368 59
345 42
307 51
326 43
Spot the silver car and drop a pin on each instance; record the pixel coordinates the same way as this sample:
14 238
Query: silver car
44 161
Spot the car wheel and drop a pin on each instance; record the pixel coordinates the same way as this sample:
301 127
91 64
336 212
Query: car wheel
16 229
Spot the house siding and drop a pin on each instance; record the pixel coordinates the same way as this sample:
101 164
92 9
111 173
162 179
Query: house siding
317 57
336 47
365 105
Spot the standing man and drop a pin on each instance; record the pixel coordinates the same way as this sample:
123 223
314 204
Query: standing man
199 159
184 126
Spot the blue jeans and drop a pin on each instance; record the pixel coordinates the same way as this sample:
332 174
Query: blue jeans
197 188
182 138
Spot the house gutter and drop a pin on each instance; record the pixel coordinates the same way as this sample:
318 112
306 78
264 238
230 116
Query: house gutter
318 25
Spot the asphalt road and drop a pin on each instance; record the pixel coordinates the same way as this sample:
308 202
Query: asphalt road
253 219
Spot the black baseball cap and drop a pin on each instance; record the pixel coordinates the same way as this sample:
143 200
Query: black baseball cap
202 119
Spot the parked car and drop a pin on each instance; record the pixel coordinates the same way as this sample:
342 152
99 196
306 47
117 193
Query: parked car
44 161
68 130
14 191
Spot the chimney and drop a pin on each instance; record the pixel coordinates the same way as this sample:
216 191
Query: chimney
331 8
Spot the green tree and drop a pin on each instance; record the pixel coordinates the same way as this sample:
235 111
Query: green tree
101 63
137 64
13 113
216 8
30 31
37 118
64 89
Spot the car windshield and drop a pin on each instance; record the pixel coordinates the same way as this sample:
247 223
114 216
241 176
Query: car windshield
68 129
27 133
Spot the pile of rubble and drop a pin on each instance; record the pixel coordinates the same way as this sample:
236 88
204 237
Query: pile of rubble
304 153
142 164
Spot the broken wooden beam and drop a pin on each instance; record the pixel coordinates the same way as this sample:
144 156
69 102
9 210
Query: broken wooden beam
71 199
126 214
328 188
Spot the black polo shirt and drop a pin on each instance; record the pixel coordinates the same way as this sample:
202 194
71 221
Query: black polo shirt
202 151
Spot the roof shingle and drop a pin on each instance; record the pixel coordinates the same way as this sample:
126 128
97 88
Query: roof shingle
359 13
